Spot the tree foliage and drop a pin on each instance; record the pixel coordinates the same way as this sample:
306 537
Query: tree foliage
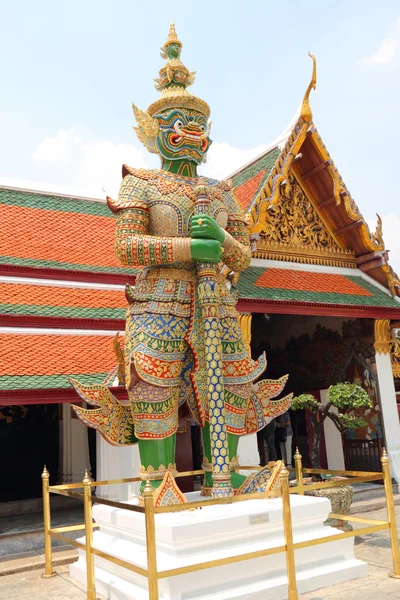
304 401
348 395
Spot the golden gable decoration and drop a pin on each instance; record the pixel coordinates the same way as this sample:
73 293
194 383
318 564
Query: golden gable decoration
294 231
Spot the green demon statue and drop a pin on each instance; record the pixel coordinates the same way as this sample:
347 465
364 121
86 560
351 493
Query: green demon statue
183 343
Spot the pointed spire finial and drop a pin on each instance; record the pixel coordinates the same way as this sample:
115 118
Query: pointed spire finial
305 107
148 488
45 474
86 478
172 36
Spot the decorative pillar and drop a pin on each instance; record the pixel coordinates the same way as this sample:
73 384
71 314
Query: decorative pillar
74 447
389 414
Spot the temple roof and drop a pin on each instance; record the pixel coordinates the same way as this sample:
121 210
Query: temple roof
35 298
334 287
54 232
300 161
34 359
250 179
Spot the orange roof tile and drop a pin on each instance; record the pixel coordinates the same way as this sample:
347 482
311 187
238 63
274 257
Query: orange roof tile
310 282
37 354
57 236
12 293
247 190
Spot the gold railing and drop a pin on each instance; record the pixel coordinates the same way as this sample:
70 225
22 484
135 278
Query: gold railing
153 574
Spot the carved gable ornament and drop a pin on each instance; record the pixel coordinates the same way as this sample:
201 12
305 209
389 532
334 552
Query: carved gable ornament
294 231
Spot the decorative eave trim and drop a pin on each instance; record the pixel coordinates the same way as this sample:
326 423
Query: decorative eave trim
61 323
49 396
246 305
66 275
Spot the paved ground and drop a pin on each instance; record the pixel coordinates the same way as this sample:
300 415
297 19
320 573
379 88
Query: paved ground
374 549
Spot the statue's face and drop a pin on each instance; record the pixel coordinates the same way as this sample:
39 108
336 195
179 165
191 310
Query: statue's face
184 134
174 51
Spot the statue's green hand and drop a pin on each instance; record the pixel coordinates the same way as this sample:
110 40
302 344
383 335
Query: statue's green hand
206 250
206 228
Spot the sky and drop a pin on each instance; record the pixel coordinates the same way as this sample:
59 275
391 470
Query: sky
71 69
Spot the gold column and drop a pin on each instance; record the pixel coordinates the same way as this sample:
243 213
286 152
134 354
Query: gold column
288 532
299 470
48 566
245 326
150 541
382 336
394 540
87 500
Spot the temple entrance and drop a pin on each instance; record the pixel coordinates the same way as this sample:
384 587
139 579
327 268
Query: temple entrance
318 352
29 439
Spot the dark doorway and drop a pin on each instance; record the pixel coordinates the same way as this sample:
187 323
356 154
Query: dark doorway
29 439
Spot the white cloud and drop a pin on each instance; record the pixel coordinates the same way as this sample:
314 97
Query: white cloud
82 166
391 228
58 148
223 159
69 163
387 49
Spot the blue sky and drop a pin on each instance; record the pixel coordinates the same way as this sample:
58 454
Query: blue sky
70 71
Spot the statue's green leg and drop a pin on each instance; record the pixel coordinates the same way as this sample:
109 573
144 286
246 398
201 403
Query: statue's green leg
155 454
155 426
233 442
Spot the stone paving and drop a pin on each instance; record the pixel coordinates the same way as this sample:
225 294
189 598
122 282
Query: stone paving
374 549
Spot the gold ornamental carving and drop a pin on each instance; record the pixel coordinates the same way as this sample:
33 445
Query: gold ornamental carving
294 231
152 474
382 336
245 326
395 357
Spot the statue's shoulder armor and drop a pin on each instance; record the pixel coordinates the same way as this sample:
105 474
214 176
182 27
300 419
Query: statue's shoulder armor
133 189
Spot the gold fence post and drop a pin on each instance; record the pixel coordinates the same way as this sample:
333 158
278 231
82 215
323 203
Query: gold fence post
48 566
288 532
150 541
87 502
299 470
394 540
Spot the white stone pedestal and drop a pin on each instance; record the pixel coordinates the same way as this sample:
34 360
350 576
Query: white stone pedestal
196 536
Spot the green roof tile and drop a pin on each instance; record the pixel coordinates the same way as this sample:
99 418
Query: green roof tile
265 162
57 203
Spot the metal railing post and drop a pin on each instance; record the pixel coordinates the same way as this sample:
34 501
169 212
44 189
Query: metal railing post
48 565
151 541
288 532
394 540
299 470
87 501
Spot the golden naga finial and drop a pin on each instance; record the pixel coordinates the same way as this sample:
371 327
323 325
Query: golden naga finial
305 107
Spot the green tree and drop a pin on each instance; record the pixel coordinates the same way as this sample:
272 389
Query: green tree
344 397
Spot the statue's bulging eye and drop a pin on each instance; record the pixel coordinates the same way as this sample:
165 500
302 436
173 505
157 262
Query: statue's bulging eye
202 127
179 123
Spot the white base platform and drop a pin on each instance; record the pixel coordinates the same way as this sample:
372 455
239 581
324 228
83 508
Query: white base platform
196 536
